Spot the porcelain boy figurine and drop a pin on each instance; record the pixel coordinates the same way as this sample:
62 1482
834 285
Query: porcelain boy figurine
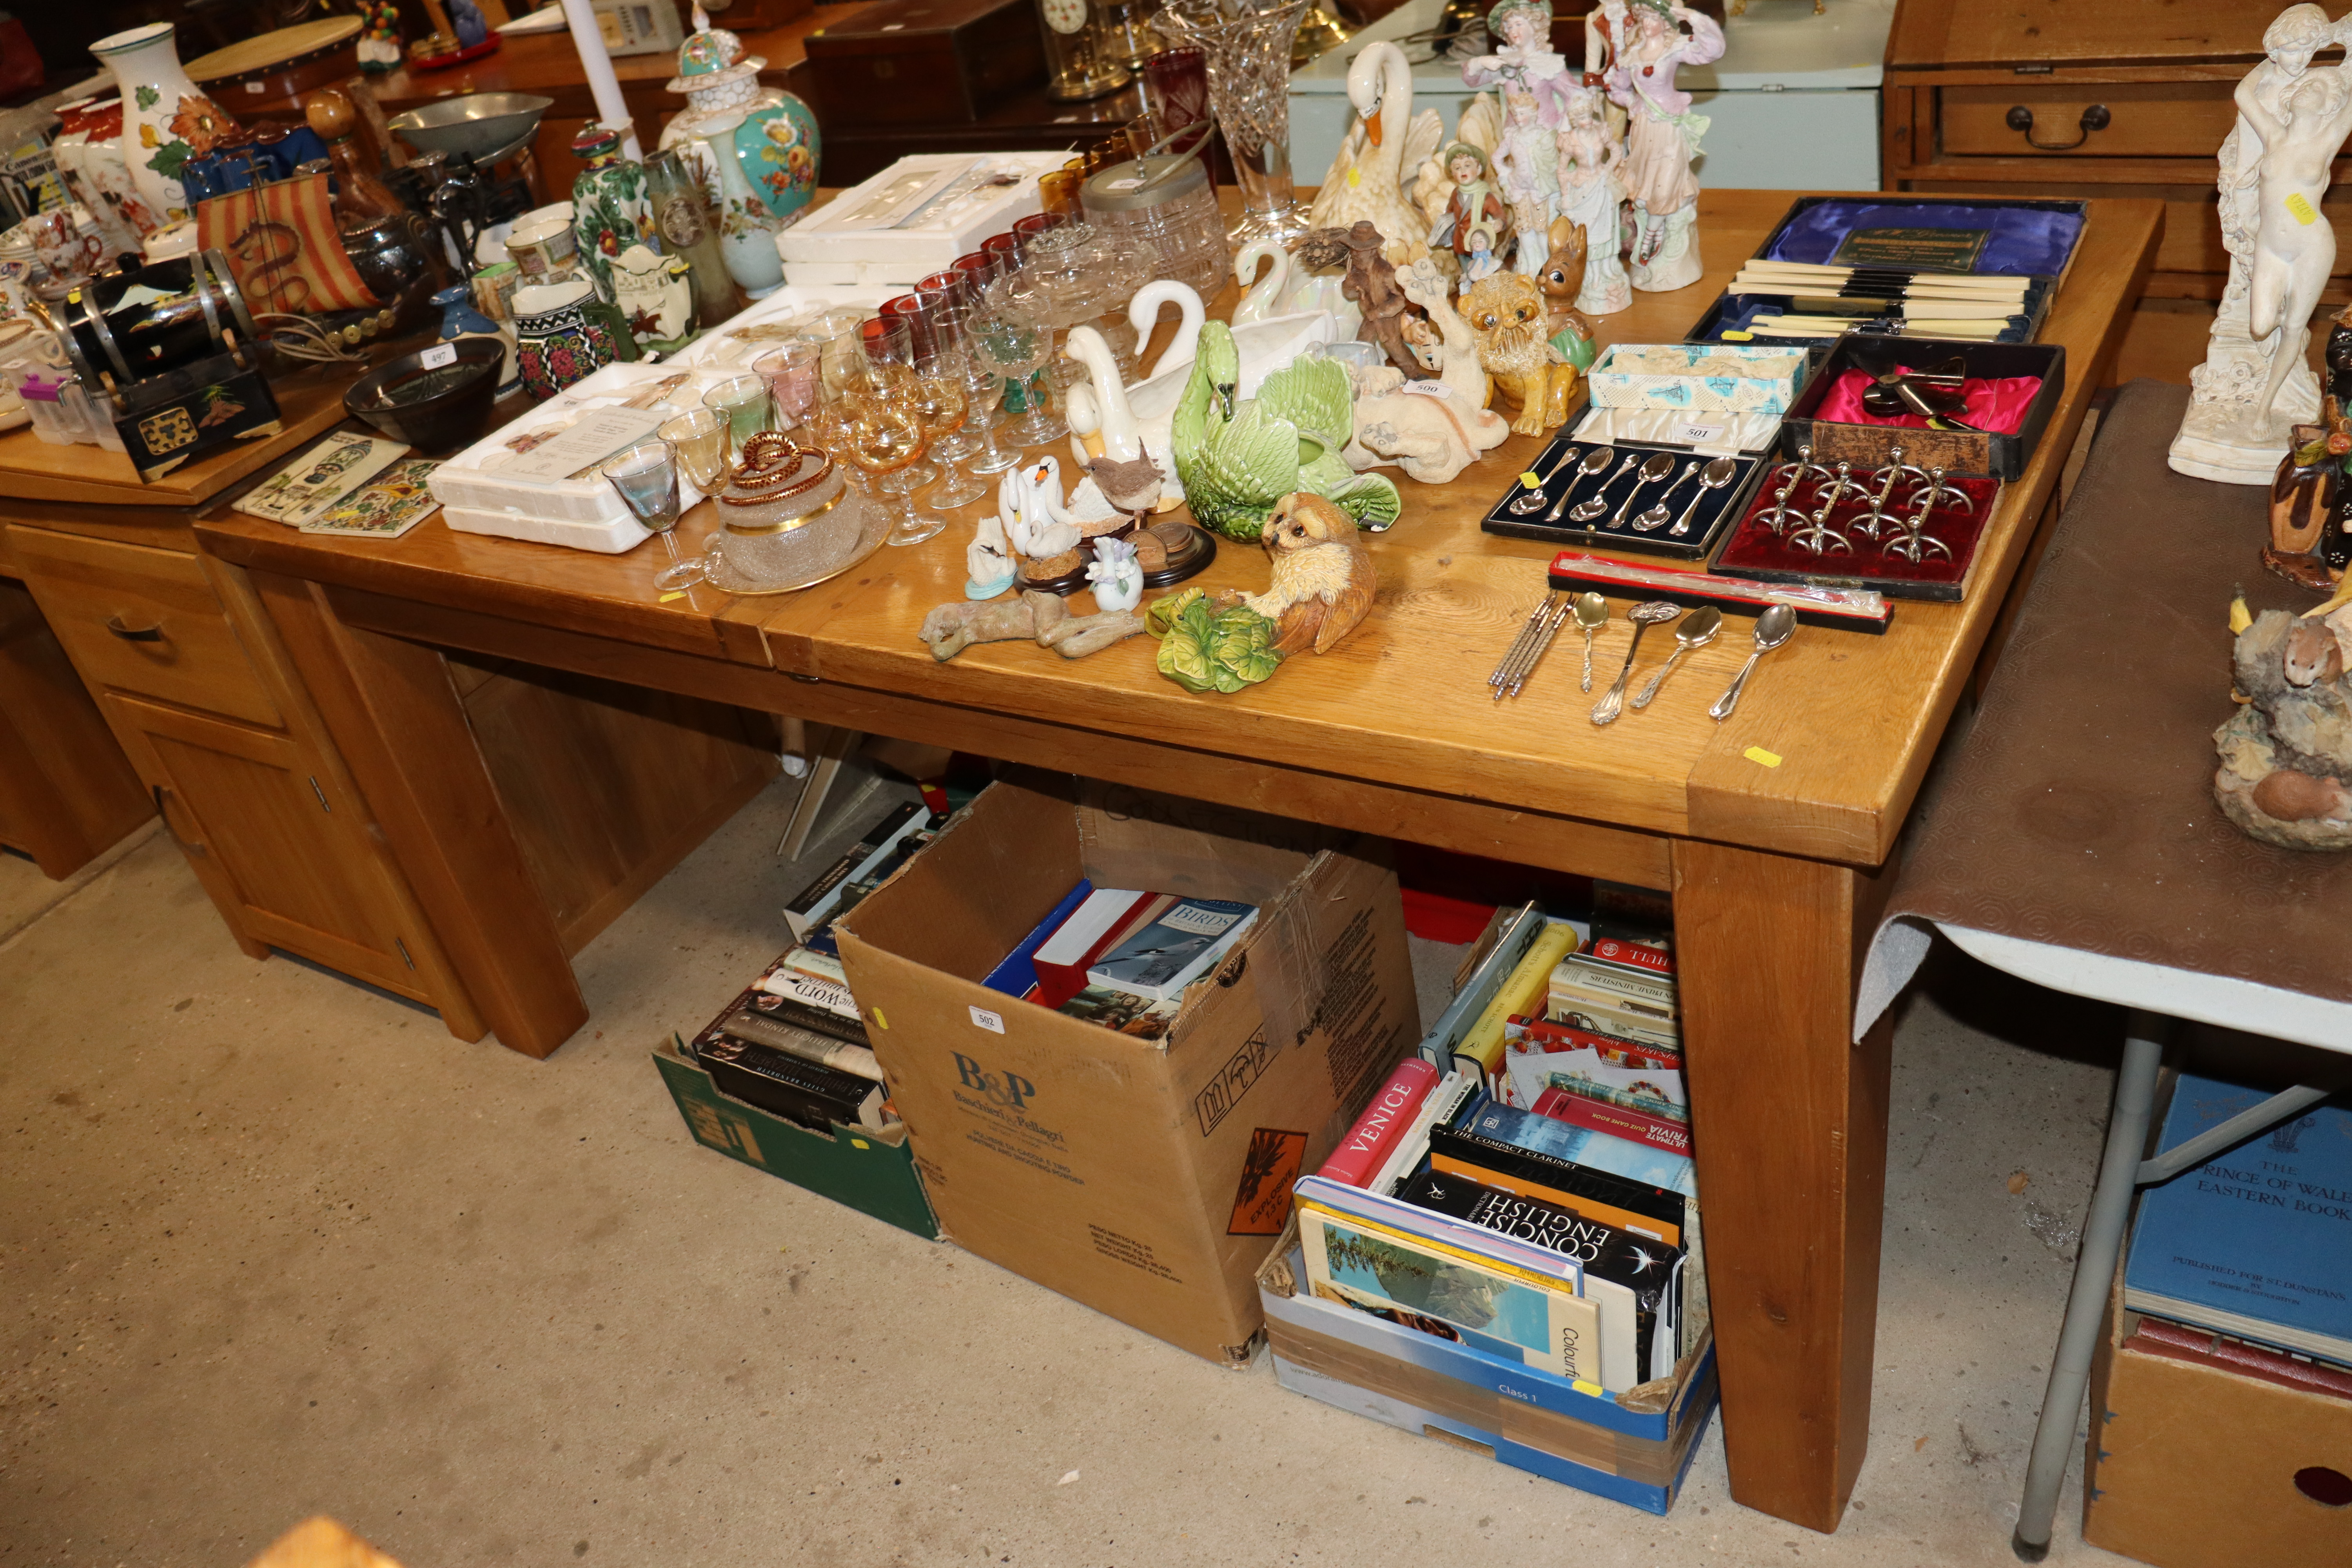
1474 221
1661 136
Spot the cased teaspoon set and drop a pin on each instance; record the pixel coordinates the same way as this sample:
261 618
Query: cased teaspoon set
1628 496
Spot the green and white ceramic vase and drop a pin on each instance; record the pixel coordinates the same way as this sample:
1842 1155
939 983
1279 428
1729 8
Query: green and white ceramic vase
166 119
747 230
609 210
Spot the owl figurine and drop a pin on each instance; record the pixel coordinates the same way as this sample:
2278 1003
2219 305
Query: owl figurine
1323 581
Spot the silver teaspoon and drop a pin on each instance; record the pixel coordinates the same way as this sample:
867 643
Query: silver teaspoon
1643 618
1774 627
1656 469
1591 613
1595 461
1586 510
1719 473
1656 515
1705 624
1532 500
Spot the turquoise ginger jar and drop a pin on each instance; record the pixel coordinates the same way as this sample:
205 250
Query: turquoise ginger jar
776 141
609 209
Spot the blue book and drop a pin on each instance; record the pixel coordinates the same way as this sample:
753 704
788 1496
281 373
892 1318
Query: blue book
1487 1118
1016 973
2256 1242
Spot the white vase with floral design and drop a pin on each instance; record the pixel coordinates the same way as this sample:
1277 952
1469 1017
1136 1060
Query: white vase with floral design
747 230
166 120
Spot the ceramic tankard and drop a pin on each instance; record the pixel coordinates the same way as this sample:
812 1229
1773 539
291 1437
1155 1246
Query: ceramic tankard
563 332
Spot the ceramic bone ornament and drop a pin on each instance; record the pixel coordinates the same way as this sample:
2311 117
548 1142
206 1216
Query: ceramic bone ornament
2254 387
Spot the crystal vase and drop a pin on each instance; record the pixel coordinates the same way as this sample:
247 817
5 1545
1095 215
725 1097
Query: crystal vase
1249 91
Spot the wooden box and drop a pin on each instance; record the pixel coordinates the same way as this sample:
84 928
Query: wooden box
2002 455
924 62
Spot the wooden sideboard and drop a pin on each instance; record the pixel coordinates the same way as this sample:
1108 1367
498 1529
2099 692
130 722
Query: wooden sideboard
607 786
2126 97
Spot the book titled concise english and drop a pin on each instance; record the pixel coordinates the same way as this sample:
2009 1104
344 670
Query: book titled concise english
2256 1242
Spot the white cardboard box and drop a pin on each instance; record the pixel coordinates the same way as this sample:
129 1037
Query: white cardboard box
838 244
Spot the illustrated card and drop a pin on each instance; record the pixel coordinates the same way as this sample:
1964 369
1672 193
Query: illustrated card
319 478
385 510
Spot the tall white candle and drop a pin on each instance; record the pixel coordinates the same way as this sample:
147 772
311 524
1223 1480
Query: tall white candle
611 107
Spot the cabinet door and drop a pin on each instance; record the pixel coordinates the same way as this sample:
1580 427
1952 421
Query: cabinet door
278 847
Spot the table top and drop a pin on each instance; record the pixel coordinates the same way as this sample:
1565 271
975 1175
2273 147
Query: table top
1851 718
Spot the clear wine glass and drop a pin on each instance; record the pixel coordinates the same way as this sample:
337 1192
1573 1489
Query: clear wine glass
1008 347
940 401
873 427
646 475
890 349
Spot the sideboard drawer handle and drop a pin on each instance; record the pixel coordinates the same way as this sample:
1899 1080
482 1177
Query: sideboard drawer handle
163 810
134 633
2094 118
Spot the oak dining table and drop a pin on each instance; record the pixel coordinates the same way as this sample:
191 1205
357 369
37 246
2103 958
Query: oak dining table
1776 831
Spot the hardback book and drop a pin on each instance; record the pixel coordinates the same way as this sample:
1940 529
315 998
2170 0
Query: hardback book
807 960
2179 1342
1581 977
1541 1036
1015 974
1603 1018
791 1087
1599 1116
825 996
750 1023
1645 1210
1443 1231
802 1014
813 905
1063 957
1411 1151
1505 1311
1182 942
1620 1157
1633 1279
1642 957
1652 1091
1122 1010
2256 1242
1368 1143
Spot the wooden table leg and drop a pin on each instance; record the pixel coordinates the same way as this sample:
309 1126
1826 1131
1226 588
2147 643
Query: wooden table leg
403 734
1789 1118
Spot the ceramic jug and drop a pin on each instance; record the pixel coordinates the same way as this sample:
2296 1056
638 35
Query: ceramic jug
747 230
653 295
459 319
563 332
166 120
608 203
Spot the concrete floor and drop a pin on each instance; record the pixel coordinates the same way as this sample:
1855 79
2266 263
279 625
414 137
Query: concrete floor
275 1245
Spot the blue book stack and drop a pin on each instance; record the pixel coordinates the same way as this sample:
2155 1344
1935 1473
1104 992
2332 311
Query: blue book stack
2257 1242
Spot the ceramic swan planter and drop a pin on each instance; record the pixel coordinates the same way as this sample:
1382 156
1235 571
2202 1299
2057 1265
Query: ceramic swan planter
1279 293
1367 178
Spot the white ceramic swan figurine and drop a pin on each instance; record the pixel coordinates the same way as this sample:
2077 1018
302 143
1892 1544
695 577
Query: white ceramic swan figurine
1367 179
1283 291
1143 315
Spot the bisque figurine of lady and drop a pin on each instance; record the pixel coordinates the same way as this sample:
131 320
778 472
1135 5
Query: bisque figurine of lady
1662 135
1525 65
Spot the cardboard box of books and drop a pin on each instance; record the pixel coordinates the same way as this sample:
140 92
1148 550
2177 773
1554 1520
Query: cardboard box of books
1407 1373
1135 1156
873 1172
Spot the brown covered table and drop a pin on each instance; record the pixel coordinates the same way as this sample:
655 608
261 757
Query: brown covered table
2076 842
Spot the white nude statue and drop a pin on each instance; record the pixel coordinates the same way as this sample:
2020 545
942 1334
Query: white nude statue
2254 386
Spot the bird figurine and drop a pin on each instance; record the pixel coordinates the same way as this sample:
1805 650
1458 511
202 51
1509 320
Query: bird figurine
1237 457
1323 581
1116 576
1132 487
989 559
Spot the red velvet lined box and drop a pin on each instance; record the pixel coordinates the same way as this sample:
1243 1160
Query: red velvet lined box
1756 552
